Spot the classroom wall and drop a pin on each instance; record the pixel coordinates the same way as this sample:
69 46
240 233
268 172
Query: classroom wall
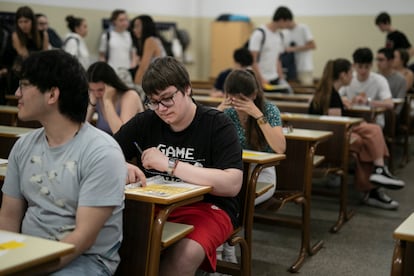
335 35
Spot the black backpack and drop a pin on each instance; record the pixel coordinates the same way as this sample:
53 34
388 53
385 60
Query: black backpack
246 44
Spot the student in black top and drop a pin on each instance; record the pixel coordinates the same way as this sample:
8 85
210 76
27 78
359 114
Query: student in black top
182 140
369 144
395 39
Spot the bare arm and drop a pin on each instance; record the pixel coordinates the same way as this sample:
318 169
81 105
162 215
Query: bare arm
225 182
150 48
19 47
310 45
274 135
255 67
45 45
11 213
89 221
130 105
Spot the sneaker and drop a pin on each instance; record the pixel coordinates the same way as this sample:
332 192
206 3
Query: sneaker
229 253
377 198
384 178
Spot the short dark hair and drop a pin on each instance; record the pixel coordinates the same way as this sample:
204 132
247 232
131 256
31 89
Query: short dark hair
404 56
56 68
116 13
387 52
282 13
363 56
243 56
102 72
164 72
383 18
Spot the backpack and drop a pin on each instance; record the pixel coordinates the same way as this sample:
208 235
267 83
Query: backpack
246 44
77 43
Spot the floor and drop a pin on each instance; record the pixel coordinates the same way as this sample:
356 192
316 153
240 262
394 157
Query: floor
364 246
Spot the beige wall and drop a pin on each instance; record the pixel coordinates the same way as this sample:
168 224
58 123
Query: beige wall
335 36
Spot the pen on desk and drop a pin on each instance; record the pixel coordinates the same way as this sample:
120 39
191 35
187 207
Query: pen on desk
138 147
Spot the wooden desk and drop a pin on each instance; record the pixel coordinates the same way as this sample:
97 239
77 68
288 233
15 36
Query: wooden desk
11 99
402 260
140 250
366 112
9 117
263 160
33 255
9 136
289 97
292 107
275 88
295 174
335 151
207 100
201 91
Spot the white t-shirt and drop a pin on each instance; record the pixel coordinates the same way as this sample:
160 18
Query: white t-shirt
75 45
269 55
120 49
375 87
301 34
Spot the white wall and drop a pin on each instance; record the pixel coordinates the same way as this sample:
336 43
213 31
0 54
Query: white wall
212 8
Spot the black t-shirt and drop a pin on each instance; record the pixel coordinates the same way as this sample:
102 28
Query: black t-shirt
336 102
397 40
211 140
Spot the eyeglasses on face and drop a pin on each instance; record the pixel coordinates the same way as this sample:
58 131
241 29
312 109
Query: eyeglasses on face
166 102
23 84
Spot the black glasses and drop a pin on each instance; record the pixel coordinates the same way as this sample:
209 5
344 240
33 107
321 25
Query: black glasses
167 102
23 84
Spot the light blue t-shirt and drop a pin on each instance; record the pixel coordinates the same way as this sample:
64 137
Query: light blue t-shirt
89 170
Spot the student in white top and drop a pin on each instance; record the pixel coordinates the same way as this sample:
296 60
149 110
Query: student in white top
266 50
366 87
74 43
303 44
116 44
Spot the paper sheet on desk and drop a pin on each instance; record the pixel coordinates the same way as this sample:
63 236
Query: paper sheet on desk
158 186
3 161
10 241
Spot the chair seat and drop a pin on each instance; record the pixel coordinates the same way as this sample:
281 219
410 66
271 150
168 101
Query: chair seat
173 232
279 199
263 187
317 160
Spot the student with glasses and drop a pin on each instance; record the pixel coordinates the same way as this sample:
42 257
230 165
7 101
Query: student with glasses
65 181
196 144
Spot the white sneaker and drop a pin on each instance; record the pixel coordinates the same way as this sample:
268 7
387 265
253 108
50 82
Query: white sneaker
377 198
229 253
383 177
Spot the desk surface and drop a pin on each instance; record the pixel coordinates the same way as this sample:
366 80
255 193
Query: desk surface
165 193
19 252
318 118
288 97
207 100
308 134
259 157
3 169
12 131
9 109
406 230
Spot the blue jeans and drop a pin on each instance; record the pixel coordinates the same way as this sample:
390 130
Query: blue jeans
84 265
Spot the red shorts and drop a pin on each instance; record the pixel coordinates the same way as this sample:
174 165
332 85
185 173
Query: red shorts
212 227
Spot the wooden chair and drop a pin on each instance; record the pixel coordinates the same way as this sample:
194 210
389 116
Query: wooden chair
243 234
287 192
336 161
